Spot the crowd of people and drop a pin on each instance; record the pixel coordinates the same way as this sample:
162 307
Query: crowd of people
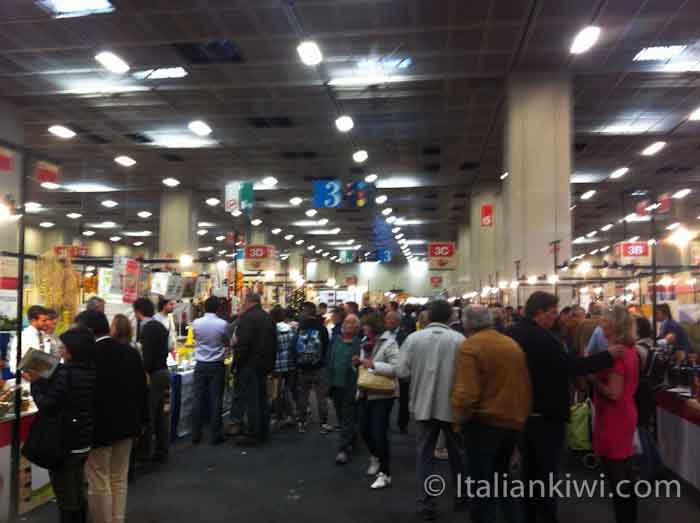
478 382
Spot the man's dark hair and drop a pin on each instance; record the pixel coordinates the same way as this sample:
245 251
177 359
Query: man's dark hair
211 304
509 308
80 344
95 321
375 322
353 306
278 314
289 313
394 305
644 329
566 310
440 311
308 308
93 302
665 310
35 311
253 298
51 314
322 305
162 302
540 301
144 306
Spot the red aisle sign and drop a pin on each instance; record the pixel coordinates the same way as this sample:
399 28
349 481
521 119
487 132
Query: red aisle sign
7 159
257 251
487 215
664 203
441 255
46 172
130 290
259 257
634 249
70 251
641 207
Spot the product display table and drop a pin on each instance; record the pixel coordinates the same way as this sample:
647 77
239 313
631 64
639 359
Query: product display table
181 403
678 421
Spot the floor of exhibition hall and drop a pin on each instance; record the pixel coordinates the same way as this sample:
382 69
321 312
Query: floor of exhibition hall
293 478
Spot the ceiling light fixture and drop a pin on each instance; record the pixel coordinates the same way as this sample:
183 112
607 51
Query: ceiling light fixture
387 211
46 225
606 228
138 234
299 242
236 213
220 238
138 243
276 231
61 132
208 248
205 224
344 123
32 207
115 239
371 178
50 186
310 53
256 222
619 173
588 194
695 115
112 62
202 232
296 201
658 53
678 195
360 156
109 204
504 175
673 226
144 214
395 230
162 73
633 239
126 161
171 182
311 213
74 215
381 199
212 202
199 128
289 237
88 233
269 181
391 219
585 39
76 8
653 148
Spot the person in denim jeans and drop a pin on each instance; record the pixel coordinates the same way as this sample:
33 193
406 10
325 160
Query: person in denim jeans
283 405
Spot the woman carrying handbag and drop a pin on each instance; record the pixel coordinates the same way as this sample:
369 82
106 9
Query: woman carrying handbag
61 435
377 390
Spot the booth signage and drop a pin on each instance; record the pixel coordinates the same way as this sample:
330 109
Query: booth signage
351 280
664 204
384 255
628 253
328 194
436 282
7 159
441 256
70 251
232 193
487 215
46 172
130 287
259 257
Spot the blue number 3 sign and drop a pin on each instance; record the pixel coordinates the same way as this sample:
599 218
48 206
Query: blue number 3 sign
328 194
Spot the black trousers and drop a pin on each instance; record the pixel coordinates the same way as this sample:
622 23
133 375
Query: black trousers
374 427
209 380
68 482
404 398
619 471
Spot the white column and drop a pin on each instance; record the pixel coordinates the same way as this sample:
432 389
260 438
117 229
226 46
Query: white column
12 133
538 157
486 240
178 224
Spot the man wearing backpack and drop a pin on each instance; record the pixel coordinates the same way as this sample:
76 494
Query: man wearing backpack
310 347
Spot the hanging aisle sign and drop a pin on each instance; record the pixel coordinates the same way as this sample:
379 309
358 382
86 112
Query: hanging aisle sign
487 215
441 256
637 253
346 256
259 258
132 270
232 193
46 172
436 282
246 197
328 194
7 160
384 255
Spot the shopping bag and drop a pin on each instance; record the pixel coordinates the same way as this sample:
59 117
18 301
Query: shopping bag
578 434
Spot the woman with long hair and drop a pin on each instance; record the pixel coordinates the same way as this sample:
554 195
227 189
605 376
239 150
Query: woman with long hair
616 413
379 353
121 329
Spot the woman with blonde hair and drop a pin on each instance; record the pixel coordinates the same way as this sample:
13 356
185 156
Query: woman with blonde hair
121 330
616 412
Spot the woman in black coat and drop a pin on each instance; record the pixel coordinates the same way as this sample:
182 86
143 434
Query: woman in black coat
68 394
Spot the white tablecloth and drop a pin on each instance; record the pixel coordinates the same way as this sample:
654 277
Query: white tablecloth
679 445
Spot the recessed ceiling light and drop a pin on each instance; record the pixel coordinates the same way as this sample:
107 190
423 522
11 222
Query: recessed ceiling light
162 73
360 156
695 115
46 225
126 161
199 128
171 182
310 53
311 247
319 251
212 202
102 225
653 148
619 173
115 238
371 178
395 230
236 213
206 224
289 237
681 194
112 62
61 131
202 232
391 219
269 181
76 8
344 123
138 244
398 236
504 175
381 199
588 194
296 201
606 228
137 234
109 204
209 248
585 39
387 211
50 186
276 231
74 215
256 222
88 233
144 214
311 213
299 242
326 254
658 53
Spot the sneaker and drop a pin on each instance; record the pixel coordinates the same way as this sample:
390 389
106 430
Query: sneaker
301 427
373 468
382 481
326 428
341 458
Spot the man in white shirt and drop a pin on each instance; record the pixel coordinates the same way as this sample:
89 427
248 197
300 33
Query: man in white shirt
165 308
33 337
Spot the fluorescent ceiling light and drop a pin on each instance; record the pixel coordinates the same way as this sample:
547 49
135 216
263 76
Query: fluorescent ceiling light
391 219
299 242
112 62
109 204
311 213
659 53
126 161
322 232
606 228
603 249
76 8
178 140
236 213
673 226
199 128
138 234
269 181
144 214
363 80
371 178
360 156
102 225
398 182
88 187
653 148
588 194
276 231
202 232
311 223
619 173
585 39
633 239
206 224
256 222
88 233
344 123
74 215
46 225
50 186
395 230
220 238
504 175
310 53
591 234
162 73
399 236
695 115
115 238
681 194
61 131
212 202
206 249
387 211
296 201
171 182
381 199
289 237
634 217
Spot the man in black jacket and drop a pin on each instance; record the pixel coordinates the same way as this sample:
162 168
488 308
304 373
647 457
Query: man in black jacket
255 354
121 414
153 338
551 369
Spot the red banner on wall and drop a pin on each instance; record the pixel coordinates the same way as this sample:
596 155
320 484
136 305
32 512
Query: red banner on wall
46 172
7 159
131 281
487 215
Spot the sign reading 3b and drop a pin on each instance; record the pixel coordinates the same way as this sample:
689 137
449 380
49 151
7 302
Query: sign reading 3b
441 255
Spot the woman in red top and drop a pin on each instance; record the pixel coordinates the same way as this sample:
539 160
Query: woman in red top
616 413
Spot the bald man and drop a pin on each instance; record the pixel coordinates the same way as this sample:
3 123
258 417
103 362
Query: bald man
342 379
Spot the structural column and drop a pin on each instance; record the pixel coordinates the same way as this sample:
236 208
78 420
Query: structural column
538 159
178 224
11 133
463 281
486 226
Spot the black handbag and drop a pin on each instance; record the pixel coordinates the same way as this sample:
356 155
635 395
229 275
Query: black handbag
46 446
